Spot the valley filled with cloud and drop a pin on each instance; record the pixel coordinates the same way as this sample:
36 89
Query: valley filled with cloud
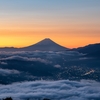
64 75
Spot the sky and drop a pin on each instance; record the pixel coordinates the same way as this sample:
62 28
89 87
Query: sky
71 23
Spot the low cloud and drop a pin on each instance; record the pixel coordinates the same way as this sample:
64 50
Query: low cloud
26 59
7 71
55 90
57 66
46 57
3 63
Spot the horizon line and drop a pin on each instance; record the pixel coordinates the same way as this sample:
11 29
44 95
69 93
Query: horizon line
15 47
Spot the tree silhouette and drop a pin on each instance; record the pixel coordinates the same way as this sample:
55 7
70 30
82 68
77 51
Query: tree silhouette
9 98
46 99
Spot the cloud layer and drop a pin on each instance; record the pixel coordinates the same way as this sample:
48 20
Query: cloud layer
61 64
46 57
8 72
54 90
55 65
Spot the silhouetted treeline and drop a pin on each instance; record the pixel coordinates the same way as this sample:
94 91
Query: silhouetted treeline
9 98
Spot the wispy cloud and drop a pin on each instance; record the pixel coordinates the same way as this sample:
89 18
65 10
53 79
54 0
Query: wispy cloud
7 71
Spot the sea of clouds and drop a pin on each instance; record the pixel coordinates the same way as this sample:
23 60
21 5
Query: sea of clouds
54 90
46 57
30 54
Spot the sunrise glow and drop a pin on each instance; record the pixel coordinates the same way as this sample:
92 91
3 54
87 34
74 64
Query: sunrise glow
71 24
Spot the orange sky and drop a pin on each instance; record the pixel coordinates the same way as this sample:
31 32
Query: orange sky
21 38
71 26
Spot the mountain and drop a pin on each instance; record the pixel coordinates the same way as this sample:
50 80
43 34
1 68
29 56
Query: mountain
44 45
89 48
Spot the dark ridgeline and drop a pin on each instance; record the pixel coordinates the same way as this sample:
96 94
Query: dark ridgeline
88 48
91 50
44 45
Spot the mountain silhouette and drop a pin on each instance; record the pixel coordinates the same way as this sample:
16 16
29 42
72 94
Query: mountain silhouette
44 45
49 45
91 48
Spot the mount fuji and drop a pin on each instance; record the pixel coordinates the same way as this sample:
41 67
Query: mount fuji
44 45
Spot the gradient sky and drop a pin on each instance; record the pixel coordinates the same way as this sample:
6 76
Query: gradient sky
71 23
